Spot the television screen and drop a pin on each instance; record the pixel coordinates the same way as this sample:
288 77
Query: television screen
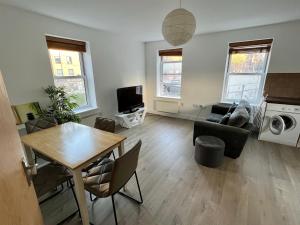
130 98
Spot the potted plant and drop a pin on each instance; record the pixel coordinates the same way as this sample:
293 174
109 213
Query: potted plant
61 105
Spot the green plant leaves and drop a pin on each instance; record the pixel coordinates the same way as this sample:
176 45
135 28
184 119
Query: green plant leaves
61 105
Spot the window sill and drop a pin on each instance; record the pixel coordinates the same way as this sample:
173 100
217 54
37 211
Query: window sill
87 111
168 98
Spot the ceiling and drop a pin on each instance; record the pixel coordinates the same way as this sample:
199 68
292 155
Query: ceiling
142 19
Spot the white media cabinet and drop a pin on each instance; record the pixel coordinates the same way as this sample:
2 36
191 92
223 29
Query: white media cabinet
129 120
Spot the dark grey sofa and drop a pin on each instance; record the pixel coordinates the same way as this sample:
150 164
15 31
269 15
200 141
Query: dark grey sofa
234 137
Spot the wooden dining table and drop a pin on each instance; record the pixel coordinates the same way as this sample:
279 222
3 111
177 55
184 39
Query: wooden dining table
74 146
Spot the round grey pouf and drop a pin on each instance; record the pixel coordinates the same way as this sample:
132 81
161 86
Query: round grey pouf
209 151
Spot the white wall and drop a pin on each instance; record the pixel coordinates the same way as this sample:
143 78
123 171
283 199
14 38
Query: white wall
117 61
204 60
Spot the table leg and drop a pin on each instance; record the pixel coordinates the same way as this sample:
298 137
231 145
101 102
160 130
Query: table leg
121 150
29 155
80 194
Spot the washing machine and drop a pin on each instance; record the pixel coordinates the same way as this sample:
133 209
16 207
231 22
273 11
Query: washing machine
281 124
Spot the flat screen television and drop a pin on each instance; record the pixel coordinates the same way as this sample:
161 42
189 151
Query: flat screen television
130 98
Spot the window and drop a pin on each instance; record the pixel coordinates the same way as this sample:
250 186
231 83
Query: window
169 79
59 72
57 60
69 59
247 66
69 72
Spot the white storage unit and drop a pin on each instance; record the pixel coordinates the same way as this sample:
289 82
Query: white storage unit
129 120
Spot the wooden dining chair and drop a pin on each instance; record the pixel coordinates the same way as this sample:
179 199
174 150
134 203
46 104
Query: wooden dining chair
106 179
107 125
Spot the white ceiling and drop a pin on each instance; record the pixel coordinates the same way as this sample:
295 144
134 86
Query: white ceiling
143 18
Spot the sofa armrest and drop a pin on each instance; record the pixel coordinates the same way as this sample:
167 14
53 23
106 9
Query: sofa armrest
234 137
220 108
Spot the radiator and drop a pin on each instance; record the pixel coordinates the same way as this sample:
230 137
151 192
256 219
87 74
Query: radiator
166 106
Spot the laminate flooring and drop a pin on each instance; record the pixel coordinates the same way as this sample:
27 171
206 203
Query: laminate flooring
261 187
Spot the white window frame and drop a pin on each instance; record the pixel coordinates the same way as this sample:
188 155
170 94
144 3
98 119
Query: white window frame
160 78
82 76
262 80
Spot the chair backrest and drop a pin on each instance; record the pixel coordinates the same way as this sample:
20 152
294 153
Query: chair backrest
105 124
124 168
48 177
39 124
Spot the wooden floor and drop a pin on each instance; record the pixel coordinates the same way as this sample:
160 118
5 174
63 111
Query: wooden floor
262 187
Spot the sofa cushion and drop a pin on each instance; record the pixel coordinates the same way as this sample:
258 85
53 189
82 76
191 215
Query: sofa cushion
220 108
213 117
248 126
225 119
232 107
245 104
239 117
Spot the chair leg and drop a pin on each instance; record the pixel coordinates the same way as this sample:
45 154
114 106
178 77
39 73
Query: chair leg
113 155
138 184
131 198
74 213
53 195
114 208
70 183
72 188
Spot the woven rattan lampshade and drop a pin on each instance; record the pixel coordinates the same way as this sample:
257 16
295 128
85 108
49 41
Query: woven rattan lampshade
179 26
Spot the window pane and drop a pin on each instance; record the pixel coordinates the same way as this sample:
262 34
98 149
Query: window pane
171 79
73 86
243 87
172 68
64 61
171 58
170 76
169 90
248 62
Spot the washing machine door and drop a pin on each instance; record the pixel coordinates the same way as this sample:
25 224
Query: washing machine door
281 123
277 125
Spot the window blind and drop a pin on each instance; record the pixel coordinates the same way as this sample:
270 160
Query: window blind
65 44
171 52
251 46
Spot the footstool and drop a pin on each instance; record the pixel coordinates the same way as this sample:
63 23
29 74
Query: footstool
209 151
